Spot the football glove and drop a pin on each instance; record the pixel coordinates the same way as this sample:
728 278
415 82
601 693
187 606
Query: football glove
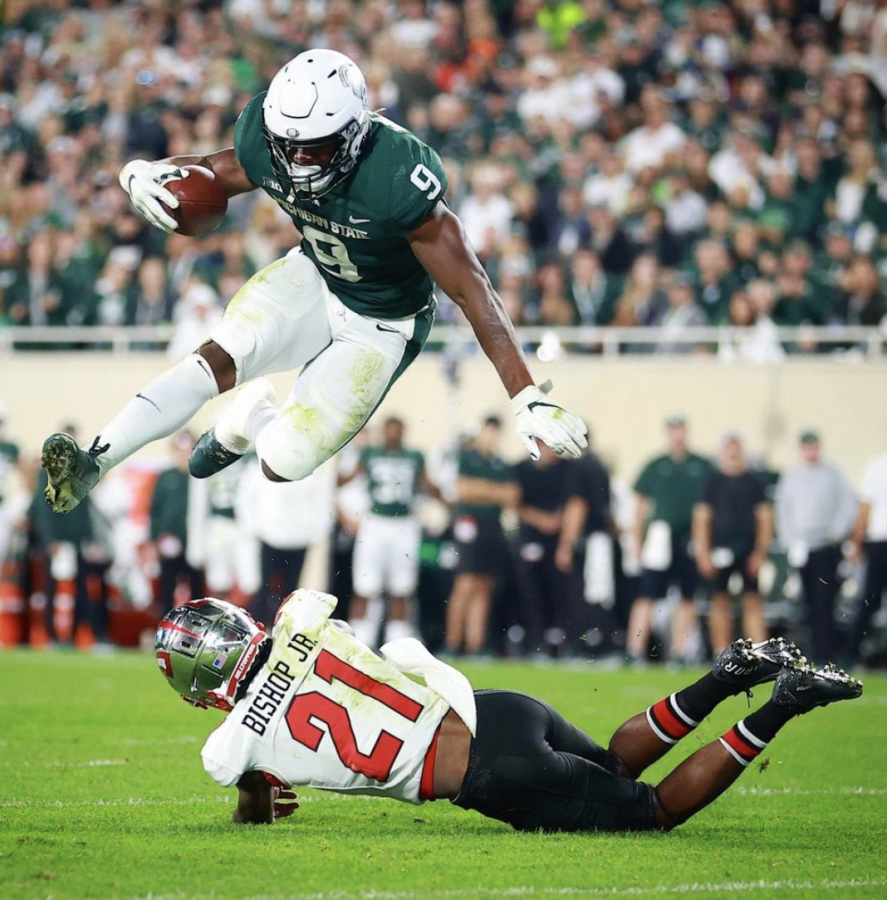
539 419
144 182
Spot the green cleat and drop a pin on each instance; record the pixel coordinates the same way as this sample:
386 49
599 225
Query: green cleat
223 445
209 456
72 472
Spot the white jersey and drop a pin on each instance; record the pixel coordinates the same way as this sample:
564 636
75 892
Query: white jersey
326 712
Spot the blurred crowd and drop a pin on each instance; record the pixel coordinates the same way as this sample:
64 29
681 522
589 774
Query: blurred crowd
628 163
545 559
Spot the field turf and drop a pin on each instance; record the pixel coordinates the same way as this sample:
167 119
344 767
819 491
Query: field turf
103 796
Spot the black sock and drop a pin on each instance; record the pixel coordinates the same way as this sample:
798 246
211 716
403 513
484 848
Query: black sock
749 738
698 700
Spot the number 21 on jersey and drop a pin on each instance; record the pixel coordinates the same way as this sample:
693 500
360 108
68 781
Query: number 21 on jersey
376 764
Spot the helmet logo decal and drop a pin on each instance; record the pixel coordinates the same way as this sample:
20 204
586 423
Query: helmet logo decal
292 132
352 78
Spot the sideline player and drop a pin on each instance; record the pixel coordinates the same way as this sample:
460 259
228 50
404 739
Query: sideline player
386 550
312 706
355 299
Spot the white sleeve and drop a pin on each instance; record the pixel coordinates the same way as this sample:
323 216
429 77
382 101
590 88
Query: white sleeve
410 656
305 610
219 760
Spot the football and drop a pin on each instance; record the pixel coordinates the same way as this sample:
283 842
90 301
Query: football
202 201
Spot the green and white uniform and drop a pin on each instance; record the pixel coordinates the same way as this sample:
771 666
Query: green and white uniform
352 298
386 552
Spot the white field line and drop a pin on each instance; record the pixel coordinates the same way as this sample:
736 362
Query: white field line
727 887
89 764
184 739
15 803
802 792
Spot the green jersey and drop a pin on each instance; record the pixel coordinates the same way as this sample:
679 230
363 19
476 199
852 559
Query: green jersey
356 232
673 487
489 468
393 479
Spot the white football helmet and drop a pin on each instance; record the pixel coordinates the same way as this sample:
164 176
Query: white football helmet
315 120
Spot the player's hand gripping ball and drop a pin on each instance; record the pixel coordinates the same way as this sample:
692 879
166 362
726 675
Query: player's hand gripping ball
202 202
186 199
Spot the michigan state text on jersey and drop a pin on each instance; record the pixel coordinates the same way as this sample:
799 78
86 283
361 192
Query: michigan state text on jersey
354 299
310 705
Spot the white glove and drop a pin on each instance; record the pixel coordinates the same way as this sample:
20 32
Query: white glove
144 181
540 419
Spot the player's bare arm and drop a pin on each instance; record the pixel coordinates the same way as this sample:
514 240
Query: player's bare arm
575 514
429 488
440 244
442 248
702 518
763 537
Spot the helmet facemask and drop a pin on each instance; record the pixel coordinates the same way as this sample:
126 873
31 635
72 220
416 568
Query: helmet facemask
317 180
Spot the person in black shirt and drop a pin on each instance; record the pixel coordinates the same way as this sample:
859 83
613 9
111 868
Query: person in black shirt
587 516
543 611
732 530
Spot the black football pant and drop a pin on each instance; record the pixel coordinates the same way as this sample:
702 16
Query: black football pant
281 571
172 568
531 768
873 593
820 580
543 600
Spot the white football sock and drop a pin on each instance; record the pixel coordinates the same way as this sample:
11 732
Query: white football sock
264 414
159 409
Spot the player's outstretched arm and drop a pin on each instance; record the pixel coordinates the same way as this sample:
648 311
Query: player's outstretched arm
442 248
261 803
440 244
145 182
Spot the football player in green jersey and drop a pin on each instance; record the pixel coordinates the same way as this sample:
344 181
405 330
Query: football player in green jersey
386 551
355 298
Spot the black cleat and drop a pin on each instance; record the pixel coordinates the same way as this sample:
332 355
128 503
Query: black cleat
745 664
71 472
209 456
806 687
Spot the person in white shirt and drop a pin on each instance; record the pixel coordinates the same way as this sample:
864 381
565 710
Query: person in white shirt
545 94
486 212
815 511
286 519
311 705
870 541
652 143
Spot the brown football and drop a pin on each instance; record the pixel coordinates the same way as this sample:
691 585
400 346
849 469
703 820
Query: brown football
202 201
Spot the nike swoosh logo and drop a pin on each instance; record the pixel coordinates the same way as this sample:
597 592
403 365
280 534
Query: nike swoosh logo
148 400
392 330
354 221
536 403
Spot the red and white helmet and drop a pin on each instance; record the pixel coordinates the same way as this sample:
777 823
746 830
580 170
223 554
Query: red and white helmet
315 120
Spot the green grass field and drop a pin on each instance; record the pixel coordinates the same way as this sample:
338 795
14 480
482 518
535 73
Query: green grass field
103 795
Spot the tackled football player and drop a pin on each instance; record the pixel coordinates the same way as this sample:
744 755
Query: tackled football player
355 298
310 705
